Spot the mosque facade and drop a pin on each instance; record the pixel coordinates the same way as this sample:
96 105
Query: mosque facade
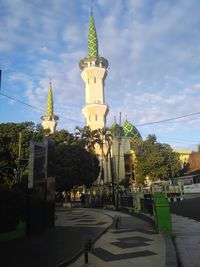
120 161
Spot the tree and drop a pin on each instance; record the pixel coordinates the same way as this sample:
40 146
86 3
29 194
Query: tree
11 145
103 137
156 160
63 136
99 138
75 167
86 138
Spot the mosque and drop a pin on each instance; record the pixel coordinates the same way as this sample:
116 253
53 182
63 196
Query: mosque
121 161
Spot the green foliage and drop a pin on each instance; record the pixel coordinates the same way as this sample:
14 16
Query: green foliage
75 166
63 136
9 142
155 160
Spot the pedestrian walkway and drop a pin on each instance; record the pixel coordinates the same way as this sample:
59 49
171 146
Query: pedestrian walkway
187 240
55 246
134 243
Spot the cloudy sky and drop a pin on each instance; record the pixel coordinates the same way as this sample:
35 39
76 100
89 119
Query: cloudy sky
153 49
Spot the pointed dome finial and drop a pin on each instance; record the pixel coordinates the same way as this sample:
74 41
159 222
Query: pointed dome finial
49 107
92 38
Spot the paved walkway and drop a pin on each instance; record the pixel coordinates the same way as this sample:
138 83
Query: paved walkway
187 240
55 245
135 243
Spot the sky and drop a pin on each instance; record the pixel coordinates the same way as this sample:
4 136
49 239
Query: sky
153 49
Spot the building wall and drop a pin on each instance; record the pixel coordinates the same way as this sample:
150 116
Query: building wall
184 155
121 145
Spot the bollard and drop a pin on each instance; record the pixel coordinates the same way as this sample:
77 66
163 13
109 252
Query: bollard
117 221
88 246
86 257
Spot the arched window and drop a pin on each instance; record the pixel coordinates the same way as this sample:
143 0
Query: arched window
89 118
95 117
88 80
95 79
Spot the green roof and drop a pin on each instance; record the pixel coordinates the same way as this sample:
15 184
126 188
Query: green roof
92 39
49 108
126 130
131 131
116 130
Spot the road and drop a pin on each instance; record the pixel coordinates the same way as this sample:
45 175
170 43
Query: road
189 207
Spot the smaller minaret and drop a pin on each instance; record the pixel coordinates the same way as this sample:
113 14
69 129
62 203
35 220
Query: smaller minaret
49 120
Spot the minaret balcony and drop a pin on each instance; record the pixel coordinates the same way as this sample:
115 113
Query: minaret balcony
95 103
89 62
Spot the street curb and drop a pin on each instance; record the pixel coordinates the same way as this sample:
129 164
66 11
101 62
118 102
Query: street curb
78 254
171 252
172 258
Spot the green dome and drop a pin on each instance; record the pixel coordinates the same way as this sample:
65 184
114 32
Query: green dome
116 130
131 131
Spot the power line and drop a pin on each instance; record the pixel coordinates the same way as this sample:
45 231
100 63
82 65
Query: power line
178 139
21 102
170 119
137 125
34 107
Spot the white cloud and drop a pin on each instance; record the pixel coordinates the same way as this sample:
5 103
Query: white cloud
152 48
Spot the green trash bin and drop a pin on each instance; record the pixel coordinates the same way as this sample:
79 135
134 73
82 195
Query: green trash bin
163 214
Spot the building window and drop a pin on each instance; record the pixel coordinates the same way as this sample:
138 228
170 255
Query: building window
95 117
95 79
88 80
89 118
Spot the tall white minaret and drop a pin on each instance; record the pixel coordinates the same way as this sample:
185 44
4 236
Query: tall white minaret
49 120
94 71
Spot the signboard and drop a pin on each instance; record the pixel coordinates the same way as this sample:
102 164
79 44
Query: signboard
36 164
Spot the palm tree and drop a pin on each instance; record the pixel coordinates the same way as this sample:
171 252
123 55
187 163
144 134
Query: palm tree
103 138
98 141
86 137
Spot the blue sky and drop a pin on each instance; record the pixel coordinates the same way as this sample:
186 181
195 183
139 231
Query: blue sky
153 49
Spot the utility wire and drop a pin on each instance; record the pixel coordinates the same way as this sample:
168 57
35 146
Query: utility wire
170 119
34 107
137 125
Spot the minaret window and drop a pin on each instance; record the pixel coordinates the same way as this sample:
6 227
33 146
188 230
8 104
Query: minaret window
88 80
95 79
89 118
95 117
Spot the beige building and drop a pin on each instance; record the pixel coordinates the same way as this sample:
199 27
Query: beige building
184 155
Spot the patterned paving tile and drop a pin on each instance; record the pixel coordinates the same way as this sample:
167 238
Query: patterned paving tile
129 245
108 256
137 238
121 231
94 224
86 220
